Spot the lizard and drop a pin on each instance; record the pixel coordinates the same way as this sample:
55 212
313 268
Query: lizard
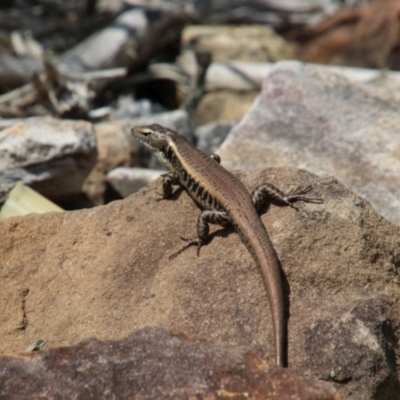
225 201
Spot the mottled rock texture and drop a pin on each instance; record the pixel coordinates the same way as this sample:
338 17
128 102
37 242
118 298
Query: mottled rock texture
153 364
52 156
310 118
105 272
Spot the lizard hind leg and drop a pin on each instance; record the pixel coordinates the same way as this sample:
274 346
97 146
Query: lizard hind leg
267 193
203 229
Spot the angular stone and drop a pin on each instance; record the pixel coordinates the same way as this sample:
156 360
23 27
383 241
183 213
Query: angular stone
347 343
310 118
52 156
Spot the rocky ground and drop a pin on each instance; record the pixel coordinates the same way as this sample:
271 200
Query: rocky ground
90 303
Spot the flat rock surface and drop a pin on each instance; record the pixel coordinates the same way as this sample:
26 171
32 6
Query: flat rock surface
310 118
153 364
105 272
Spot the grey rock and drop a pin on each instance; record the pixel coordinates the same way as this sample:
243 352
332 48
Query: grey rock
127 181
210 136
346 345
314 119
128 107
52 156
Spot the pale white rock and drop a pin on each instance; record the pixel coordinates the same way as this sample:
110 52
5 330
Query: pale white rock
249 75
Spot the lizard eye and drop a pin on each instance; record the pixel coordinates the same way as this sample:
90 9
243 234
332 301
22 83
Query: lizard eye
146 132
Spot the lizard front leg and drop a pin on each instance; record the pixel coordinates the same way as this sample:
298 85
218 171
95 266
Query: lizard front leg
216 158
171 178
203 229
168 180
267 193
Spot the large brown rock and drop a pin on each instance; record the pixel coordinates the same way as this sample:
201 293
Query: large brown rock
105 272
153 364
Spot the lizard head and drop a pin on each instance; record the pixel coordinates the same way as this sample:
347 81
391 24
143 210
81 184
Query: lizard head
155 137
158 140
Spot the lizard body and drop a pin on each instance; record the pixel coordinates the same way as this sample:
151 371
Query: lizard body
225 201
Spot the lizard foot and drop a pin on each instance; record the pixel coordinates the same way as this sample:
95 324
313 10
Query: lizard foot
298 194
191 242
